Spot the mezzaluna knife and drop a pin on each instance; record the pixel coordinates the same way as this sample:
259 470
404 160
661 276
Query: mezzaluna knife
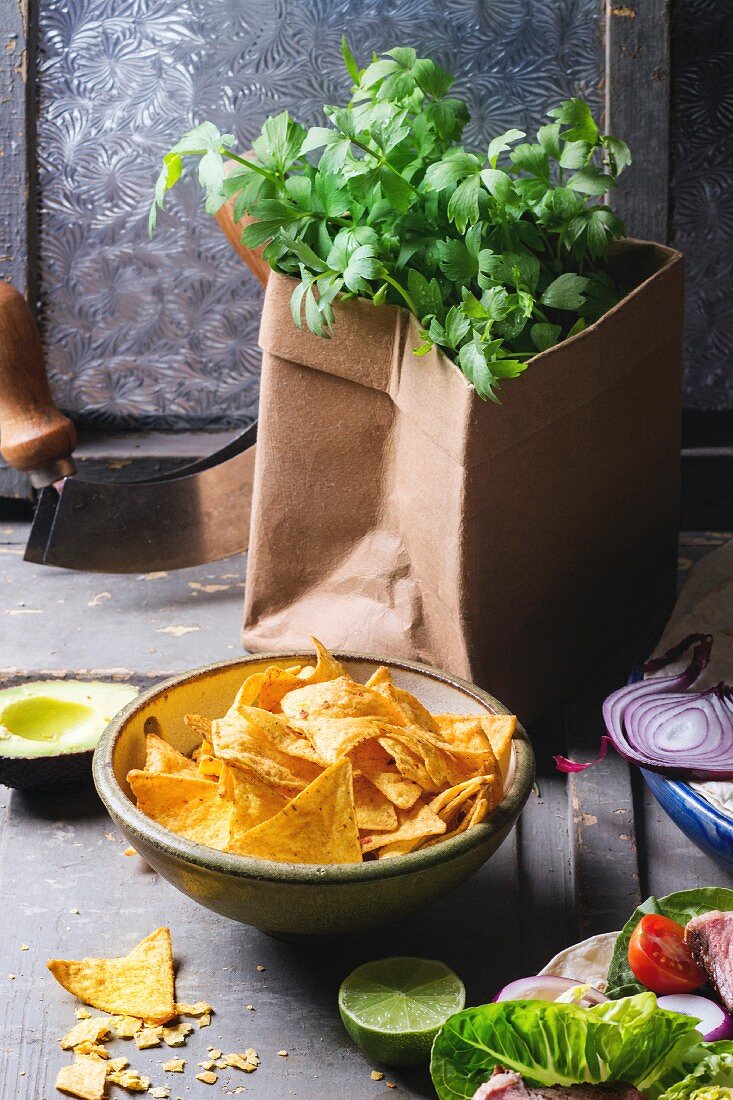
195 514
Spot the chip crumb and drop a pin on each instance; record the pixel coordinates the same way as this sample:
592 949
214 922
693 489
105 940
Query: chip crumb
86 1031
176 1036
160 1092
130 852
248 1061
205 1020
82 1013
207 1077
116 1065
131 1080
126 1027
262 968
75 912
175 1065
95 1049
250 1008
283 1053
24 947
83 1079
22 1073
198 1009
11 977
377 1075
391 1085
208 1064
214 1052
148 1037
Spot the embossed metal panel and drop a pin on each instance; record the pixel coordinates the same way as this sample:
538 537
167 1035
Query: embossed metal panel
702 188
164 333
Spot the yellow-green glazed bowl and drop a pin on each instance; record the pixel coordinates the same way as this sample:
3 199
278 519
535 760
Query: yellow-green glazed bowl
285 899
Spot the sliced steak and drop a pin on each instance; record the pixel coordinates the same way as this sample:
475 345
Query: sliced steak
505 1085
710 939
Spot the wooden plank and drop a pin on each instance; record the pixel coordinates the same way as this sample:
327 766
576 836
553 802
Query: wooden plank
14 191
638 110
72 858
672 861
548 921
601 810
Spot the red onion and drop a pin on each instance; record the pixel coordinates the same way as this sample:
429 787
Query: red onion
715 1023
660 725
547 987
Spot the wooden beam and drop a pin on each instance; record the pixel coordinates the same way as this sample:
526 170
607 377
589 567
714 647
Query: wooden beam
638 110
14 159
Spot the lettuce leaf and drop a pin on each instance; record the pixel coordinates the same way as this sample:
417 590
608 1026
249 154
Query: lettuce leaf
681 906
562 1044
710 1077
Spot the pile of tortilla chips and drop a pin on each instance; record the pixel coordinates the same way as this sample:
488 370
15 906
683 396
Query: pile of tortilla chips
309 766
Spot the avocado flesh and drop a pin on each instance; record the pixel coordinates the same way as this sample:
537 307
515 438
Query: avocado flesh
55 717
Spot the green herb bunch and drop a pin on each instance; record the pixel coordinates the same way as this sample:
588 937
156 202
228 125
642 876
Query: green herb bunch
499 256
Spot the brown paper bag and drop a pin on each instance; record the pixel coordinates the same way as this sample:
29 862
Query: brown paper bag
517 545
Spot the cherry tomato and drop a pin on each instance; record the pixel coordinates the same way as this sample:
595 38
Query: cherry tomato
660 958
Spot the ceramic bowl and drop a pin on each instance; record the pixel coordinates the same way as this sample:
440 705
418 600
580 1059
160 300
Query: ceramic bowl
702 823
286 899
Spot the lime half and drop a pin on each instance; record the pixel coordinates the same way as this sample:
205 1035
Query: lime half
394 1008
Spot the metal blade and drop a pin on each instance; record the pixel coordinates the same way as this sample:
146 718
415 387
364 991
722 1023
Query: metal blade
193 515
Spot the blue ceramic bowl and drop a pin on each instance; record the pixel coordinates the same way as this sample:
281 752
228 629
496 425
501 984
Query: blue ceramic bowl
708 828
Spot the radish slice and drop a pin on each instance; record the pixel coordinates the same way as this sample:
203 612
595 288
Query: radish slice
715 1023
548 987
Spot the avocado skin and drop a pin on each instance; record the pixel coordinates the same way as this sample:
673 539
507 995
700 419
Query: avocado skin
46 773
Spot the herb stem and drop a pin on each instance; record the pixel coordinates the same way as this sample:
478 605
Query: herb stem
401 290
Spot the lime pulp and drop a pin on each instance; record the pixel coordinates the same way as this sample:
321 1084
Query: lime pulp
394 1008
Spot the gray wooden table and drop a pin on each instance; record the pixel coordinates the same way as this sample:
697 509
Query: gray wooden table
586 849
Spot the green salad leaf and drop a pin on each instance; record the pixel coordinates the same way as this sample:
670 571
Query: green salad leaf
681 906
710 1079
500 253
562 1044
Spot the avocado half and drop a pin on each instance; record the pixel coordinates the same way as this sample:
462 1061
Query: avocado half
50 728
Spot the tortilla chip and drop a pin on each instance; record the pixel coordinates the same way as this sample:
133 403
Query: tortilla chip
200 726
86 1031
240 743
139 984
276 683
187 805
318 826
409 764
374 811
419 824
253 802
500 729
339 698
327 667
414 712
84 1079
376 765
160 757
333 738
274 728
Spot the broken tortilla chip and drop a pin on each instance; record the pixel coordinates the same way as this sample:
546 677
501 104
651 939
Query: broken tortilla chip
417 825
162 757
254 801
84 1079
86 1031
374 811
318 826
139 984
188 805
376 765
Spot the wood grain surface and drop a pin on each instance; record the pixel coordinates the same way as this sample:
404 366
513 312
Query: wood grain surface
586 848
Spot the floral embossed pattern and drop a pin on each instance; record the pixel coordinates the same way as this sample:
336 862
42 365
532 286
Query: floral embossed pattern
163 333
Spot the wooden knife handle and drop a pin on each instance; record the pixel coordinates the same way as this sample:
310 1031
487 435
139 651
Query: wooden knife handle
34 435
233 233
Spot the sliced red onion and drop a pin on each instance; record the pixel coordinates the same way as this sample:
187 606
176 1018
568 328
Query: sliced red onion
549 987
715 1022
660 725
